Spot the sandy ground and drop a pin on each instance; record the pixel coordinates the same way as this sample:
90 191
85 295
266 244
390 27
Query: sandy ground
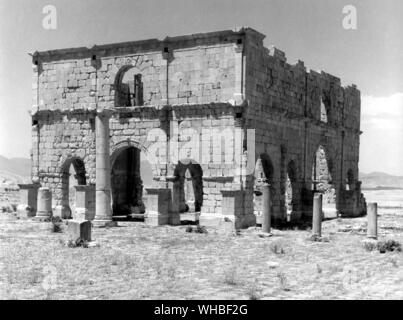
135 261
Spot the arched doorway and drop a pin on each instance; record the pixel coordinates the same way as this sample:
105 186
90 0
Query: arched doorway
127 186
73 173
322 180
188 186
264 172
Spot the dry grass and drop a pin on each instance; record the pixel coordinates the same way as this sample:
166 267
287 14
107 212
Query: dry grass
135 261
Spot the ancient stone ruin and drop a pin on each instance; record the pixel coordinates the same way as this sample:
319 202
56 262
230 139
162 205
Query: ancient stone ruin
189 128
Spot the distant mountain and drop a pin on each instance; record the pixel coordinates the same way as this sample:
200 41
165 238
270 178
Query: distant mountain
17 166
381 180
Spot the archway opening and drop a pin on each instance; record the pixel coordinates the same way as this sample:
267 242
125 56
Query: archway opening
129 88
322 180
264 172
291 192
73 174
127 168
324 114
189 187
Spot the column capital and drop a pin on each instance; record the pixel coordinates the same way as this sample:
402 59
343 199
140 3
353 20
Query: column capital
105 112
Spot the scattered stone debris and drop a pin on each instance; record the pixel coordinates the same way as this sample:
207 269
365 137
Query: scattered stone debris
57 223
382 245
353 229
317 238
265 234
196 229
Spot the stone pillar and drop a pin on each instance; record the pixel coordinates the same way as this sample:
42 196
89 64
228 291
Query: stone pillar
317 215
158 208
44 210
79 230
85 202
28 200
372 226
266 208
232 205
103 210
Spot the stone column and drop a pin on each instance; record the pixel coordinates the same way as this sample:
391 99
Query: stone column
372 226
28 200
266 210
44 210
317 215
103 210
85 204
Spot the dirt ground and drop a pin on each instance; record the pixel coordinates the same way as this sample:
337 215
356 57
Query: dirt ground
135 261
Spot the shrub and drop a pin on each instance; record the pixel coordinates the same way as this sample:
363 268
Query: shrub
277 248
389 245
383 246
56 224
253 292
283 281
231 276
78 243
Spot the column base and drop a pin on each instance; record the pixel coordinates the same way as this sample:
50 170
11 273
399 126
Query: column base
190 216
104 223
42 218
156 219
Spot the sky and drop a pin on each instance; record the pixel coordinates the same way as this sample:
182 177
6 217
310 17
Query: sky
371 56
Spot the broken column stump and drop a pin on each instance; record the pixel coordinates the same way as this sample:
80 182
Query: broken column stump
44 210
317 215
232 206
158 206
372 216
266 211
85 202
79 230
28 200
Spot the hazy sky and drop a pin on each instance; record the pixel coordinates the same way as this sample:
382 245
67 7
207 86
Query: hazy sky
310 30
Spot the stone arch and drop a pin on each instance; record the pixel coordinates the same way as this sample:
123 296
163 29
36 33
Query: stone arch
188 186
129 92
264 169
72 173
324 108
264 173
291 190
117 147
131 171
322 177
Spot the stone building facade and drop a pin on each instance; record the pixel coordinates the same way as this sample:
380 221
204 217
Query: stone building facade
211 117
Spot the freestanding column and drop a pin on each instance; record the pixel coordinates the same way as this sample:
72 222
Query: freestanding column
103 212
266 223
28 200
372 226
44 210
84 207
317 215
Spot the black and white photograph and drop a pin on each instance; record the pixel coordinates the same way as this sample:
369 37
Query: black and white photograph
201 151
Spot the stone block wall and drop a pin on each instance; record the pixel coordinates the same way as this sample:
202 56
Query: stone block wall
195 91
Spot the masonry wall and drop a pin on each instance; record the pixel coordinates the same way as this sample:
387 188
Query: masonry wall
284 106
198 87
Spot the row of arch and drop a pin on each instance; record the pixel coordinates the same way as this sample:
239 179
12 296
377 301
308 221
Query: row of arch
129 169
